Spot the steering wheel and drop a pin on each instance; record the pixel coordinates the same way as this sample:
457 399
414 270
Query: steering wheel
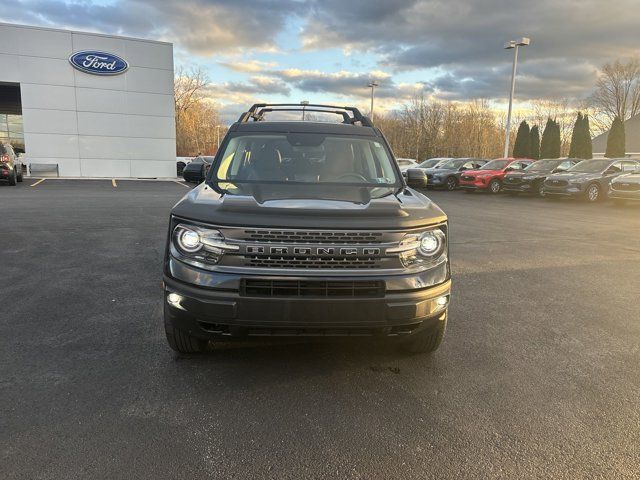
355 176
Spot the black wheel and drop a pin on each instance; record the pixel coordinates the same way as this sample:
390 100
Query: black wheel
19 178
12 177
495 186
426 341
452 183
592 194
540 189
181 341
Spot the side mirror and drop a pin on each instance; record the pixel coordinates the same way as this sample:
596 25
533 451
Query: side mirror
416 178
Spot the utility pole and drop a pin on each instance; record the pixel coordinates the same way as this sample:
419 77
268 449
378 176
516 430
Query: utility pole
304 104
513 44
372 85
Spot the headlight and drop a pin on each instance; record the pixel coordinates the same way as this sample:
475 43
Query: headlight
199 246
419 251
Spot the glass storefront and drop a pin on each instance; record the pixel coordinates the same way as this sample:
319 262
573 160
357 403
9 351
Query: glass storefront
11 131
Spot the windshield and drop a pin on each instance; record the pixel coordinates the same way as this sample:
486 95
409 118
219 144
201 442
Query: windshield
304 160
590 166
453 164
432 162
495 165
543 165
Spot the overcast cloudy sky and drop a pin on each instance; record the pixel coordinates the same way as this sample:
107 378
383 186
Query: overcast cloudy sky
327 50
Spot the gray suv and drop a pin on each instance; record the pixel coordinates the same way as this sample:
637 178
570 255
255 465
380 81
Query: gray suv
306 228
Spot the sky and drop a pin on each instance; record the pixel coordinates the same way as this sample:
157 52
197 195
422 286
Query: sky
329 50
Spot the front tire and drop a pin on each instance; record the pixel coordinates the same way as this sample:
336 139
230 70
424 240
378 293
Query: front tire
452 184
593 193
181 341
426 341
495 186
12 178
540 189
20 176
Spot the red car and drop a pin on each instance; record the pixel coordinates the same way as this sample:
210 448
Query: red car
489 177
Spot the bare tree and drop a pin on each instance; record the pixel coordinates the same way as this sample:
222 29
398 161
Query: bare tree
617 91
187 89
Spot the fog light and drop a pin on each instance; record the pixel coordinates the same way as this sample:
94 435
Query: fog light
174 300
440 303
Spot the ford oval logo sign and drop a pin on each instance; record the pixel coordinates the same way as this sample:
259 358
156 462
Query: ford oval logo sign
98 63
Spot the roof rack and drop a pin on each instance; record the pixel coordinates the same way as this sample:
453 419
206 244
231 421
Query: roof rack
257 111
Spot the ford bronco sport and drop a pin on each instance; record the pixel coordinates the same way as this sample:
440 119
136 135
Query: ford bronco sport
306 228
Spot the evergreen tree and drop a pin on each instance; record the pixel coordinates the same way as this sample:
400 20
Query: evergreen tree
521 147
576 138
534 143
550 145
588 145
616 140
556 141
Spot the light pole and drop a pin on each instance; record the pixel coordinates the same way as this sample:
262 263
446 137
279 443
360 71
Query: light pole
218 134
304 104
372 85
513 44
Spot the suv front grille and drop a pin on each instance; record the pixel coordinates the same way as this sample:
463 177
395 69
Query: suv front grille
625 187
313 262
310 236
310 288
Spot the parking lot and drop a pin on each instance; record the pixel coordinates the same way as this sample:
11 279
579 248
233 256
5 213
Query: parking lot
537 378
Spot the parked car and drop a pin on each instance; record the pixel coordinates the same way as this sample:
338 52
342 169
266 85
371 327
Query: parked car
11 169
330 247
531 179
196 171
430 163
588 179
625 187
406 163
489 177
447 174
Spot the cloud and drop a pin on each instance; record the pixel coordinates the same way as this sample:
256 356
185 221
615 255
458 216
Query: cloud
463 40
248 66
202 27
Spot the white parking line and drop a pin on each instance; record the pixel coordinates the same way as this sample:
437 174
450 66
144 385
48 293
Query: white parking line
180 183
38 182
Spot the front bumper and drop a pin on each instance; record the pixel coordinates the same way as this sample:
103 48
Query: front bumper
477 184
237 312
518 187
624 195
568 191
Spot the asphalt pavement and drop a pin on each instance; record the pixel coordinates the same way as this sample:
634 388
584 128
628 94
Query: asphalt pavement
538 376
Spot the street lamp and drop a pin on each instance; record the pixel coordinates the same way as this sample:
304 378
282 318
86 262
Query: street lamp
372 85
513 44
304 104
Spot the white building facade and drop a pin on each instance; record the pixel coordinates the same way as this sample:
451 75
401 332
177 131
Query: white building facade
92 123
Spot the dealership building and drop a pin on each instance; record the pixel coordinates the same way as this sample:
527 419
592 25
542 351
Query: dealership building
88 105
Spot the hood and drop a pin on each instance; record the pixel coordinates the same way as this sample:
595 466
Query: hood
475 173
633 177
408 209
440 171
574 176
